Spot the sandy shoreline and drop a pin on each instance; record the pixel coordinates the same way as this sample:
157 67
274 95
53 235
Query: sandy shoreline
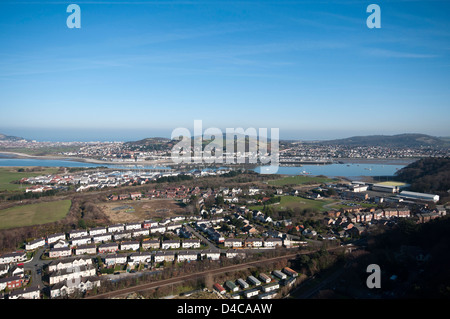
382 161
399 161
80 159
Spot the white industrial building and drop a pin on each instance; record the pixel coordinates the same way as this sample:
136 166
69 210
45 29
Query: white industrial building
385 188
419 196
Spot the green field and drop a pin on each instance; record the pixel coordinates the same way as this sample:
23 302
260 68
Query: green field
393 183
298 202
34 214
300 180
9 174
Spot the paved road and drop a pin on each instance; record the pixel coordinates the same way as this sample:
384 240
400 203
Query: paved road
202 238
37 264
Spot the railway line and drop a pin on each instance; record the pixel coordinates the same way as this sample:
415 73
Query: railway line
178 279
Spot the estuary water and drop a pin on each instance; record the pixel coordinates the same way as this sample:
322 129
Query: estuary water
362 168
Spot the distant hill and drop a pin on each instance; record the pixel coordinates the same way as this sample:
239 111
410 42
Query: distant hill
160 143
151 144
7 138
428 175
400 140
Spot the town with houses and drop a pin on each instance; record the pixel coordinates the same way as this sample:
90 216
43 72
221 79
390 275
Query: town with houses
290 151
78 261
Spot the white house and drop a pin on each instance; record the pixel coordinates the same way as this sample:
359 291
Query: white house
111 260
233 253
71 274
86 249
132 226
149 224
232 242
187 255
140 232
108 248
67 287
126 234
60 252
150 244
69 262
55 237
254 242
116 228
102 238
172 227
40 242
157 229
78 234
33 292
97 231
170 244
144 257
60 244
84 240
161 256
190 243
211 254
13 257
129 245
273 242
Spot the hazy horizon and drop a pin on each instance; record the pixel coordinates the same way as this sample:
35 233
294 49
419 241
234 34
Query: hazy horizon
115 136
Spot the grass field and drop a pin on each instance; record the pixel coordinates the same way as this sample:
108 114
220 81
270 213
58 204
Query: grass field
300 180
9 174
298 202
34 214
393 183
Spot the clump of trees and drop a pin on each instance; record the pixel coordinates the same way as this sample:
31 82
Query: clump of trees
428 175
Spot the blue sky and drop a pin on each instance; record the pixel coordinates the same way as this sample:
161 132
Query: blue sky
142 68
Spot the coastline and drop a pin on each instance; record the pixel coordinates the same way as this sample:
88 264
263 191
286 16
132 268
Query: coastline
79 159
382 161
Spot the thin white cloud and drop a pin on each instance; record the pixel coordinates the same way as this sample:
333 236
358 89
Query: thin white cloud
396 54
